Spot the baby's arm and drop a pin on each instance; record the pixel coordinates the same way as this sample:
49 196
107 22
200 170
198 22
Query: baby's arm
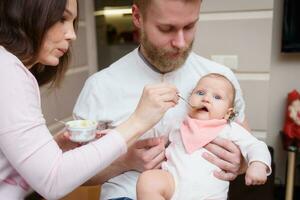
155 184
256 154
256 173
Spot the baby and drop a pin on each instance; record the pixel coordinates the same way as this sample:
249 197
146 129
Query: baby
186 174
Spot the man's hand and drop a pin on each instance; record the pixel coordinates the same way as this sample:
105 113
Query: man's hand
145 154
227 156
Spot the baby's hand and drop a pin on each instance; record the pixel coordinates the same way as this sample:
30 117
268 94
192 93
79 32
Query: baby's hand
256 173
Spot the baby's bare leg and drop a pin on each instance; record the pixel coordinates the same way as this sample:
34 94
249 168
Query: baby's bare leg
155 184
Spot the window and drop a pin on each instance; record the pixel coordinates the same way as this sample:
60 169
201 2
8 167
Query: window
116 34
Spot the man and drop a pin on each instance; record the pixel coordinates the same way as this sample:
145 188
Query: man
167 30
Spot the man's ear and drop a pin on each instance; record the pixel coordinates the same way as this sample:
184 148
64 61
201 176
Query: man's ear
229 113
137 16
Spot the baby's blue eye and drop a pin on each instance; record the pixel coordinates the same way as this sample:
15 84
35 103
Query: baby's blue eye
218 97
200 93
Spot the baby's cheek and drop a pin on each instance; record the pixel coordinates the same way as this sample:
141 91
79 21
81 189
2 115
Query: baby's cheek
194 101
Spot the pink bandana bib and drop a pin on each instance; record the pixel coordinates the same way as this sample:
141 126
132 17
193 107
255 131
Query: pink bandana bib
197 133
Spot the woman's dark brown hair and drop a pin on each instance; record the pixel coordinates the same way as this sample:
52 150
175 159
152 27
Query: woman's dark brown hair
23 26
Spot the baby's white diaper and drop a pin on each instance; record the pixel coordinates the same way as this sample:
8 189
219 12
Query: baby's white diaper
193 175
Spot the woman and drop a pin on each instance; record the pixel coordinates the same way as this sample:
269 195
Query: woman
35 36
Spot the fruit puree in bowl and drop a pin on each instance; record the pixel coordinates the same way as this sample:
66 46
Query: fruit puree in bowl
82 130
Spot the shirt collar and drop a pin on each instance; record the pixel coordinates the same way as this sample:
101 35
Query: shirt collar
152 67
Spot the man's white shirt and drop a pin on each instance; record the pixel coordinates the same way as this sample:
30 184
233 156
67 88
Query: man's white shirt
113 94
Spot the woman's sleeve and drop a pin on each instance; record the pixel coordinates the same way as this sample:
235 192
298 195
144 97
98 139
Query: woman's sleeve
28 145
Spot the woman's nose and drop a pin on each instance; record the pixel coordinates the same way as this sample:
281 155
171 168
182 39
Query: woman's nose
70 33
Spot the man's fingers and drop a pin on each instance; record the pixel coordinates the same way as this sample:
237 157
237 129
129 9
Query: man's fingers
158 166
218 151
156 162
226 176
152 153
230 146
165 140
147 143
224 154
218 162
159 158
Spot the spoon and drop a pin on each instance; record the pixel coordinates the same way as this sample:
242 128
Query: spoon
188 103
62 122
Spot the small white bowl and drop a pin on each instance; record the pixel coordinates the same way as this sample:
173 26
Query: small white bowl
82 130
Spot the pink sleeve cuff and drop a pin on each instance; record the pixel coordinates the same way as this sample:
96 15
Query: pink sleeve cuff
119 140
112 145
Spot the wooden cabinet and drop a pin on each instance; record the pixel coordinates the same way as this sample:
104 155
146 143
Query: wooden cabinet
84 192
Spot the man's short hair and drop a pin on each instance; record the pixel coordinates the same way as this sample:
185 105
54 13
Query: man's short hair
143 4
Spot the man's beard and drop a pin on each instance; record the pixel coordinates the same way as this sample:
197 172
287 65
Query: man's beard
162 58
